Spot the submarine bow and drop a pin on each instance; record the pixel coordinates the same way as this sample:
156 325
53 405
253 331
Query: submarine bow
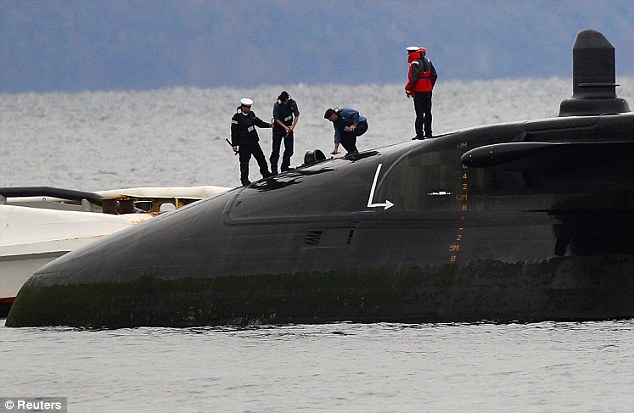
524 221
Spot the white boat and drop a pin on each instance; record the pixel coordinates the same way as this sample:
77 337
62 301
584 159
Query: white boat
39 224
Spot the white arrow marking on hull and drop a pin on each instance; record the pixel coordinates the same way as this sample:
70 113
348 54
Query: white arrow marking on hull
387 204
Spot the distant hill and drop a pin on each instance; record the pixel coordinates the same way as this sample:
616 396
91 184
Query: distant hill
75 45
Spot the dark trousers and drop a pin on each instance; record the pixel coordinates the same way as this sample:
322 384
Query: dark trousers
280 135
349 138
245 156
422 106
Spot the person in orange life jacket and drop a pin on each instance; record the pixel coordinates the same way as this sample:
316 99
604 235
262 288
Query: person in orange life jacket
348 124
421 80
285 117
244 139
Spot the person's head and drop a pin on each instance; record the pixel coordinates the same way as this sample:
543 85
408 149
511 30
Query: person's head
415 53
331 114
283 97
245 105
412 49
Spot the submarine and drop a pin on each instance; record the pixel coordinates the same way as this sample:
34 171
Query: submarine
517 222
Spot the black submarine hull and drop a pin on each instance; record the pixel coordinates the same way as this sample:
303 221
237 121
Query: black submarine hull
525 221
540 237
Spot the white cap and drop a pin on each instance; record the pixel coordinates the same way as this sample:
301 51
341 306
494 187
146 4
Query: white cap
411 49
246 102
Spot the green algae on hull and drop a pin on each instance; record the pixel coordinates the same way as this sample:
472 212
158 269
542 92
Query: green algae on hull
558 289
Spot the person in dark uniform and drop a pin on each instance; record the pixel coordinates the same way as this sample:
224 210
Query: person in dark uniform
244 139
348 124
285 117
421 79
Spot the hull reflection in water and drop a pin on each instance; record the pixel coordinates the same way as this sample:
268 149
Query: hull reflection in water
523 221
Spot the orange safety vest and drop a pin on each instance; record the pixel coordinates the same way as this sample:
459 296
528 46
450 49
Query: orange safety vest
426 79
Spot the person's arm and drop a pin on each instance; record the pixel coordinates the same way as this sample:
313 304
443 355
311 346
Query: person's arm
296 113
415 72
292 127
279 122
234 134
260 123
276 108
276 116
351 117
412 77
354 116
337 141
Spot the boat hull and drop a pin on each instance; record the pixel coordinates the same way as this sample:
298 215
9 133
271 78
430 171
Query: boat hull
33 237
15 270
37 226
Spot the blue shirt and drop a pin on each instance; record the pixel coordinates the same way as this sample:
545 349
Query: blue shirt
347 117
276 109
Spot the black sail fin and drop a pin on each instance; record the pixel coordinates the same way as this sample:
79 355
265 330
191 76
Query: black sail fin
593 73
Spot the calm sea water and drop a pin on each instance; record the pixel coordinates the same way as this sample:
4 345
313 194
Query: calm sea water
104 140
545 367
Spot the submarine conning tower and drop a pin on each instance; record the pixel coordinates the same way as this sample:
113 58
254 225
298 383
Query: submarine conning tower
593 78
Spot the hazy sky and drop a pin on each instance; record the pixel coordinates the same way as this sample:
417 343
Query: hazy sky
78 45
